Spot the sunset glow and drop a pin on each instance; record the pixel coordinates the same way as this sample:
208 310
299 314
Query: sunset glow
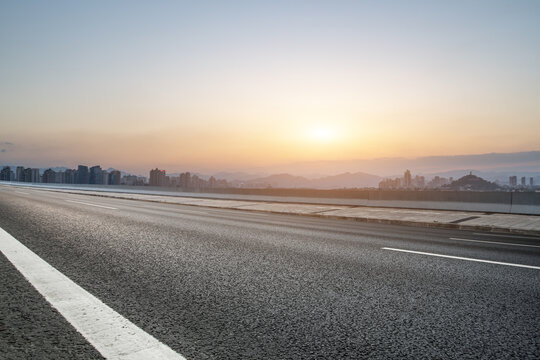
322 134
249 85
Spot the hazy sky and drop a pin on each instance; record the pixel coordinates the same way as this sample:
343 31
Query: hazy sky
235 85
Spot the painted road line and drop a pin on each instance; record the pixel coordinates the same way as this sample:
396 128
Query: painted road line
182 212
114 336
169 210
22 192
494 242
194 212
462 258
508 236
85 203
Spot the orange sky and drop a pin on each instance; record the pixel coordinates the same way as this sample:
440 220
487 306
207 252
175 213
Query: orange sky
224 87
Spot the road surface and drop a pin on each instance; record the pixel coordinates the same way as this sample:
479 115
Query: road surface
231 284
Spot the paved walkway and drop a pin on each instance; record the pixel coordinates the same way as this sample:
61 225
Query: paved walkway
524 224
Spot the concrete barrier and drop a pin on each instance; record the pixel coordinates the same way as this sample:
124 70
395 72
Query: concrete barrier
482 201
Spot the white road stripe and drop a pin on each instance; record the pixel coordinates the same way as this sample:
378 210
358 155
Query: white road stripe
187 212
258 213
114 336
494 242
85 203
21 192
463 258
507 236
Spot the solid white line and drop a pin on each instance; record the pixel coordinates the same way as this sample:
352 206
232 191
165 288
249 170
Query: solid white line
463 258
112 335
21 192
508 236
85 203
494 242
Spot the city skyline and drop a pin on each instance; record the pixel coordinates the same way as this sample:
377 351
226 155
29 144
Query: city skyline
96 175
250 85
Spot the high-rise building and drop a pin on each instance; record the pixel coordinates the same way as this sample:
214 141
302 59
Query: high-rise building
130 180
513 181
49 176
419 182
27 175
82 175
523 181
5 174
95 175
407 181
35 177
70 176
104 177
19 173
114 177
185 180
157 177
60 177
531 181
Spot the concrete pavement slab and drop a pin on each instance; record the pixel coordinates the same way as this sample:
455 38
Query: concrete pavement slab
292 208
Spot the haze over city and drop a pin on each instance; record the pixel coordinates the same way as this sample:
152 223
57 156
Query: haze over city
219 86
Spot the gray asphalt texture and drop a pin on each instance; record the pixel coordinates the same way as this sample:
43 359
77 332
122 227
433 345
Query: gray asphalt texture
30 328
229 284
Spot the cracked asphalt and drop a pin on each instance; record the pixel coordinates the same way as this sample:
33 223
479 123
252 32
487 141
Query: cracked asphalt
231 284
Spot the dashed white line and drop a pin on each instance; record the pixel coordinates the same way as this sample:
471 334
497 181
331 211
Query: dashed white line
89 204
507 236
22 192
259 213
114 336
494 242
463 258
193 212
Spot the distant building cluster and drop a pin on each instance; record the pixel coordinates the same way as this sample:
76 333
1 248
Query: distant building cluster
468 182
95 175
82 175
184 180
513 182
413 183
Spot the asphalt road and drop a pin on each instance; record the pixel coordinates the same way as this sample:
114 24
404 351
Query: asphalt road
230 284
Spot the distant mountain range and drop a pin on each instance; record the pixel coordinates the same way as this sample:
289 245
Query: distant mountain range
328 182
495 167
492 163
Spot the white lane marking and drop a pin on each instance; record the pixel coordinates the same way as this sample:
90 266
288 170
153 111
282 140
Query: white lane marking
114 336
463 258
176 211
85 203
187 212
259 213
494 242
22 192
508 236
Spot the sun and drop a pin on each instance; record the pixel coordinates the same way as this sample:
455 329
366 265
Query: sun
322 134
